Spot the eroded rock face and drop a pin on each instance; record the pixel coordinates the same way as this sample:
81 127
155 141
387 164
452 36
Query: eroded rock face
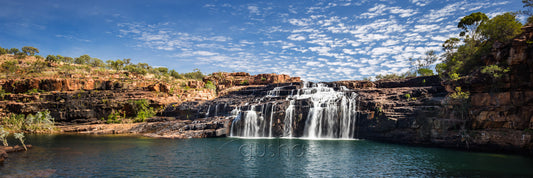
72 101
224 80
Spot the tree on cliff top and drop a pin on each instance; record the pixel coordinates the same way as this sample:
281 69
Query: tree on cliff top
501 28
470 24
528 4
483 33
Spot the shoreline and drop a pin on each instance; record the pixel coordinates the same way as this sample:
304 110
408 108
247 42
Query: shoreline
132 129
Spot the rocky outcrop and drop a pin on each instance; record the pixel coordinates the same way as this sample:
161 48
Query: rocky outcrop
497 116
72 101
224 80
8 149
159 128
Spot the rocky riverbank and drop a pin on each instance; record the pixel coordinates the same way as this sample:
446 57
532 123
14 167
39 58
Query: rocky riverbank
4 150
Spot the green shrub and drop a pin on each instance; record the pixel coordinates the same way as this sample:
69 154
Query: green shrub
425 72
3 51
20 137
3 135
454 76
196 75
40 122
494 71
51 59
29 50
141 110
113 118
210 85
407 96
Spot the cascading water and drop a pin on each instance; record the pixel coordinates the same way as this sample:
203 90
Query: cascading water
253 123
331 114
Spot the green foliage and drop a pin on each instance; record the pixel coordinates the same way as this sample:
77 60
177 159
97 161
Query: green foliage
51 59
462 59
210 85
136 69
263 79
394 76
244 82
501 28
196 75
67 60
40 122
528 4
494 71
9 67
142 110
454 76
3 51
407 96
30 51
113 118
33 91
3 93
3 135
176 75
425 72
39 57
470 24
20 137
460 102
83 59
95 62
459 94
117 65
13 51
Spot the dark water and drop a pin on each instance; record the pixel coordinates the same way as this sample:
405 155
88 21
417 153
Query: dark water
84 155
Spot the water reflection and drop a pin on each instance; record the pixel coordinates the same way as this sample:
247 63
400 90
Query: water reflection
79 155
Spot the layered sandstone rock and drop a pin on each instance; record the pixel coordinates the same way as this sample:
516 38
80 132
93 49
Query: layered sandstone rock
224 80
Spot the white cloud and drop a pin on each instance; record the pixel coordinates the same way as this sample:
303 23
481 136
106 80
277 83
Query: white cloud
420 2
299 22
253 10
204 53
296 37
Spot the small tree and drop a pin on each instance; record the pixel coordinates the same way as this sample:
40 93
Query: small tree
20 137
29 50
51 58
528 4
470 24
3 135
3 51
95 62
501 28
14 51
68 59
422 65
83 59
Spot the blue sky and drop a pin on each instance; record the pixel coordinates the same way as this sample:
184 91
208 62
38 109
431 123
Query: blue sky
316 40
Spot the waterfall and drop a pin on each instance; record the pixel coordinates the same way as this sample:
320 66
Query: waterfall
271 119
253 123
287 131
331 114
207 113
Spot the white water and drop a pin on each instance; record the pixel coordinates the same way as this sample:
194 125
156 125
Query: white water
332 115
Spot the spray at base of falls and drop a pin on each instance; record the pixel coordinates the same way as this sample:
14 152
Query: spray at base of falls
331 114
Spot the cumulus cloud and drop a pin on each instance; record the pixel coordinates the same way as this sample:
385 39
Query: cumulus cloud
315 40
296 37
